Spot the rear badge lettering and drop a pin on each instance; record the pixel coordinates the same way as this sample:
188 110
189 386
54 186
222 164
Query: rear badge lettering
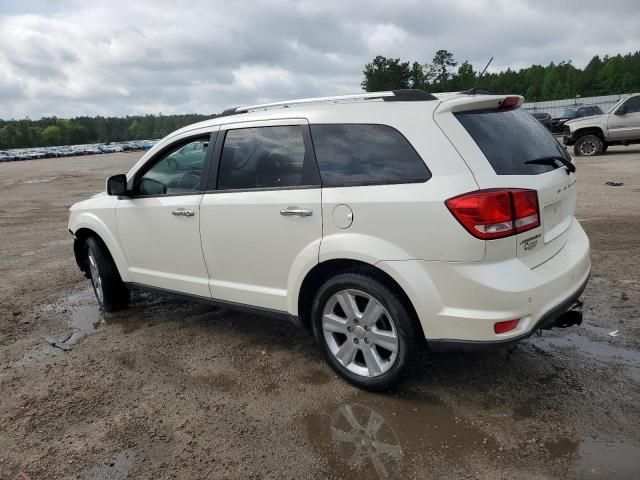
529 244
566 187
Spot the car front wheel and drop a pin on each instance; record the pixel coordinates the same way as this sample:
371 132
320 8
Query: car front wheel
111 292
365 331
588 146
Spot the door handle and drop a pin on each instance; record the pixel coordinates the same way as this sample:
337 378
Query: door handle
296 212
183 212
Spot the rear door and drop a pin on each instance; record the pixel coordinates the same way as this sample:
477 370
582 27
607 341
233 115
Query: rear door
496 145
262 214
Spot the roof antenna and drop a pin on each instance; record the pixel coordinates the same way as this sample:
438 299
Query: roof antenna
475 85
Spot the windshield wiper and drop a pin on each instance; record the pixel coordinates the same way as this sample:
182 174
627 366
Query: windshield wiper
551 160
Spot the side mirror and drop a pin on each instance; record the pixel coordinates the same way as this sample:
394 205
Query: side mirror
622 110
117 184
149 186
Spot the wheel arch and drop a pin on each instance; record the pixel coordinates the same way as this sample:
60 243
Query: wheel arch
581 132
79 250
89 225
322 271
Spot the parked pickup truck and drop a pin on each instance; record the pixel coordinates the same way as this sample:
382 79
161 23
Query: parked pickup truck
591 136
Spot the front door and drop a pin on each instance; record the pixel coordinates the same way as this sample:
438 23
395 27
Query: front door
159 225
627 125
264 218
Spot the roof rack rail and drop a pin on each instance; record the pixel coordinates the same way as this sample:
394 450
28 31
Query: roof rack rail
403 95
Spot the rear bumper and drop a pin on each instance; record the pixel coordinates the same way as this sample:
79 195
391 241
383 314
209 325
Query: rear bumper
571 304
459 303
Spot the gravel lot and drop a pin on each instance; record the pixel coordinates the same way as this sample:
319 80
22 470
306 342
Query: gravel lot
168 389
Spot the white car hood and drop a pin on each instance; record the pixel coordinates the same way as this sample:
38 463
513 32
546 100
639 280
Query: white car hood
89 202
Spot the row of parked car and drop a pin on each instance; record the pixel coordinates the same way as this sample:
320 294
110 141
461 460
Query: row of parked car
556 124
73 150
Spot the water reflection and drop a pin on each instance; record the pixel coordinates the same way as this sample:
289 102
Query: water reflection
386 436
361 436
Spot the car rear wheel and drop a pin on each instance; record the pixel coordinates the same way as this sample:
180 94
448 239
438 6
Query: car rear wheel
366 333
588 146
110 291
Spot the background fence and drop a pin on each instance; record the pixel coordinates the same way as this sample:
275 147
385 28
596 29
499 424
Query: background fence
554 107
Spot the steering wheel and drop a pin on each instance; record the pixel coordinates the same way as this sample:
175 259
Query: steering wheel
189 180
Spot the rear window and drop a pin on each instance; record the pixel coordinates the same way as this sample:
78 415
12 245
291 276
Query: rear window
363 154
510 139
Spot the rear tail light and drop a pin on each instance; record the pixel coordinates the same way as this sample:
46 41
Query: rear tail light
509 103
496 213
503 327
525 209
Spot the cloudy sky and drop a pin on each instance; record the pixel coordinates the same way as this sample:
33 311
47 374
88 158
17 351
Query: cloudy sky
118 57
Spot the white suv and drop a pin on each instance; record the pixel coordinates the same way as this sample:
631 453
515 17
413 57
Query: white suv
384 222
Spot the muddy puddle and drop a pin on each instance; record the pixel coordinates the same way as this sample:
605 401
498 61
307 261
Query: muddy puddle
84 315
608 459
592 343
380 436
383 436
82 311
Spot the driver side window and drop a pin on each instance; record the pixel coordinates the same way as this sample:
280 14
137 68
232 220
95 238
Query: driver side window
633 105
178 170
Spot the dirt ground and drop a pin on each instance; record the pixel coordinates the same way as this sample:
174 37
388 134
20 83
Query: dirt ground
168 389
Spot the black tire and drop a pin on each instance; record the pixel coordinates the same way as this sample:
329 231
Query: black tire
588 146
408 334
111 292
605 146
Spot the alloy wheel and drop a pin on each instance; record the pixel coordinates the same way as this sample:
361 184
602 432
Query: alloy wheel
360 333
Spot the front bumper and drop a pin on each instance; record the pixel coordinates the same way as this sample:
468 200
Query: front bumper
567 139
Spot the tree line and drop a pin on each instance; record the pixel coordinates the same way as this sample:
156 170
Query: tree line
601 76
52 131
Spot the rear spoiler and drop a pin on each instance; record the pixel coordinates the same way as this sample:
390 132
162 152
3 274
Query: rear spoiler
481 102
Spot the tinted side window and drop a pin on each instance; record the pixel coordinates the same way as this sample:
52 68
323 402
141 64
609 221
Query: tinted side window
633 105
176 171
510 139
265 157
361 154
